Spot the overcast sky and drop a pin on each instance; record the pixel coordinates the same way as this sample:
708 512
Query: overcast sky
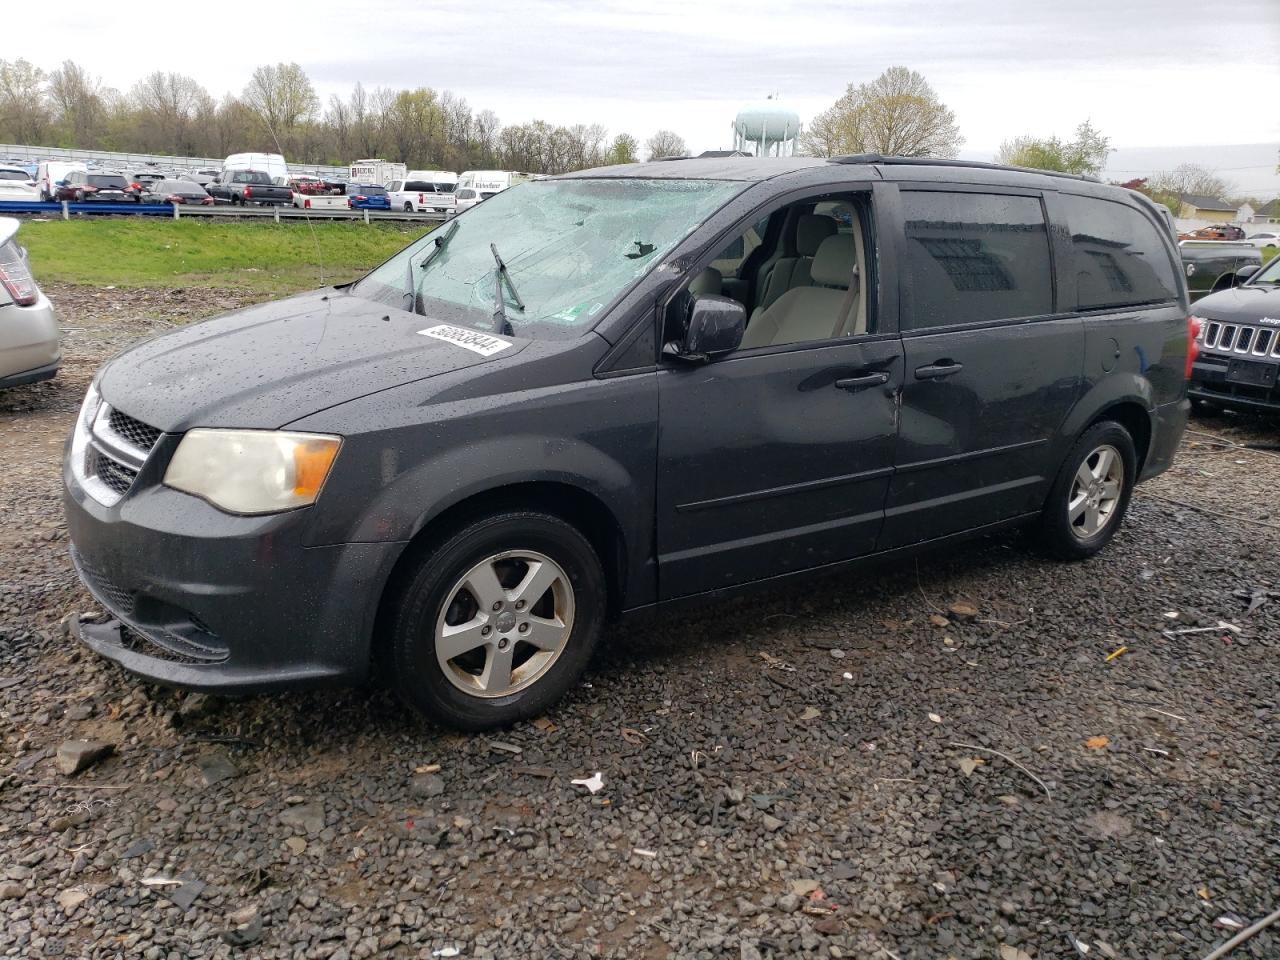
1149 73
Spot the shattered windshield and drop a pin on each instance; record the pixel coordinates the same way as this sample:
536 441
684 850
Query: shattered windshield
569 246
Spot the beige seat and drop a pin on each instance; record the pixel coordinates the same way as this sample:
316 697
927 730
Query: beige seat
709 281
812 313
791 272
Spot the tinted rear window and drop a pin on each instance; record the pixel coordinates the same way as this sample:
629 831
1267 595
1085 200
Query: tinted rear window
250 176
975 257
420 186
372 190
102 180
1117 255
13 175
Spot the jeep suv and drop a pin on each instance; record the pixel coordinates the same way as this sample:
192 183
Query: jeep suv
612 392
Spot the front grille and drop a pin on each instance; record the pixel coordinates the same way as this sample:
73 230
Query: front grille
135 431
111 473
120 600
1242 339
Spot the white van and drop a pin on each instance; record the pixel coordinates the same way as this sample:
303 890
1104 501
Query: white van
477 185
272 164
49 172
424 190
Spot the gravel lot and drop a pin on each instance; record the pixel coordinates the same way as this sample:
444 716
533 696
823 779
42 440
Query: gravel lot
816 773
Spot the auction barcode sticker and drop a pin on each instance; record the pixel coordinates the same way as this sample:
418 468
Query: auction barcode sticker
484 344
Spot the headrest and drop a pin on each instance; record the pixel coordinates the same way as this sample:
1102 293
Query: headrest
811 230
833 263
709 281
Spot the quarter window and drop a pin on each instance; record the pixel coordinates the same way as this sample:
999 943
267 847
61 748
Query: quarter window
974 258
1118 256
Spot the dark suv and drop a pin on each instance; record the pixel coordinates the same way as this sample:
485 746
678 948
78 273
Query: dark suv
1239 363
601 394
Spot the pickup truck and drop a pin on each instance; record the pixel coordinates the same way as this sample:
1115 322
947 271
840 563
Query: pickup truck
248 186
1211 265
321 201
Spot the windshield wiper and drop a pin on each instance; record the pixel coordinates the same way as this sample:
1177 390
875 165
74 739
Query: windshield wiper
411 289
500 322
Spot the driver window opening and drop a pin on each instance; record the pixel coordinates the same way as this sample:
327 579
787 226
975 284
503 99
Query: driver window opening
800 273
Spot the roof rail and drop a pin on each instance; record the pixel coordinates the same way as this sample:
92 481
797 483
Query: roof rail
669 159
870 158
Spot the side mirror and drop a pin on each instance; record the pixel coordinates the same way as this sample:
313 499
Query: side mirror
716 326
1245 272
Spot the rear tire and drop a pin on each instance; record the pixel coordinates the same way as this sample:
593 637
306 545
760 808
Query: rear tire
408 208
518 598
1088 500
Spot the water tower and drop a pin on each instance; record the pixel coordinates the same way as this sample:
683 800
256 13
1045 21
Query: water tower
766 129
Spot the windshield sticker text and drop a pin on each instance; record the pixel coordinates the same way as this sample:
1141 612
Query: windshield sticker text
482 343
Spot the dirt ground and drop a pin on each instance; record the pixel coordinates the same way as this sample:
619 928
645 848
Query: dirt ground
1084 764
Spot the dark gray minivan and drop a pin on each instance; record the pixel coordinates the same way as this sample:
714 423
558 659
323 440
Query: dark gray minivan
600 394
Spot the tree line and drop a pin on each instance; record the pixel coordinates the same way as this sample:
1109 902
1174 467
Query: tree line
279 111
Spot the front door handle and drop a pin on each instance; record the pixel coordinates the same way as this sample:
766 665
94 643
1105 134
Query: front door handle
936 371
861 383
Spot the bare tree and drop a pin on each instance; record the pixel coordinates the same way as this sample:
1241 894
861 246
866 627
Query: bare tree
283 97
897 114
665 143
167 105
77 103
1190 178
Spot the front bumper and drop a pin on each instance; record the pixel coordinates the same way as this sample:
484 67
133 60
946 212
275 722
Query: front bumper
29 348
1209 382
209 601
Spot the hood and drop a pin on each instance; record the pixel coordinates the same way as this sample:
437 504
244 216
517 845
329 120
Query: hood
266 366
1247 304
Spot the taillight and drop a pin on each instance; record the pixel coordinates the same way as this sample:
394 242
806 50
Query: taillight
361 197
16 276
1195 334
420 200
306 204
248 192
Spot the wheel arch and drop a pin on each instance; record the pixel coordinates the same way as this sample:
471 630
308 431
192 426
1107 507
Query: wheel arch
576 506
1127 399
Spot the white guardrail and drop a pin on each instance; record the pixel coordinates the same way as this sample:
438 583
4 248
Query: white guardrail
124 161
66 209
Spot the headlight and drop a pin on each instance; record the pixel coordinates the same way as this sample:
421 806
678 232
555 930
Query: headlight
252 471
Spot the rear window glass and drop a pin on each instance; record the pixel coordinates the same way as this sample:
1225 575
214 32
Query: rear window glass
101 180
250 176
420 186
371 190
975 257
13 175
1117 255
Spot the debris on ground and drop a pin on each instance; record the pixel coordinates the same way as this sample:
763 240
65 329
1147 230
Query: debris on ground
593 783
77 755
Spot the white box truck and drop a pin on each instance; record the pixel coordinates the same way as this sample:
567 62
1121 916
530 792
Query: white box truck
376 171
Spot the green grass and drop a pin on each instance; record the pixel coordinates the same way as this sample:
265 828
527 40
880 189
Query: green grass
251 256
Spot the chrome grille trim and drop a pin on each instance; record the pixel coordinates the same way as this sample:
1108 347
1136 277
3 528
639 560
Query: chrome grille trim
1244 339
115 447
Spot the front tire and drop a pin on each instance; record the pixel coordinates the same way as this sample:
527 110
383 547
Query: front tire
1088 500
495 623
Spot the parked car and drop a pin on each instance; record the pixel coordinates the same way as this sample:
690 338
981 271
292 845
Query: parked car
1264 241
82 187
1212 265
367 196
1218 231
431 191
1239 362
201 177
176 191
553 411
249 186
49 172
16 185
29 349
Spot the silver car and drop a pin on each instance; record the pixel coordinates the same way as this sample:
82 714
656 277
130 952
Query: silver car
29 349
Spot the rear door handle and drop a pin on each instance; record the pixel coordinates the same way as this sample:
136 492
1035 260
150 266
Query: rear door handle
936 371
860 383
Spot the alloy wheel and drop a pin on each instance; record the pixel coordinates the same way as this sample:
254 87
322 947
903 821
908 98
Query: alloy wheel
1095 491
504 623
